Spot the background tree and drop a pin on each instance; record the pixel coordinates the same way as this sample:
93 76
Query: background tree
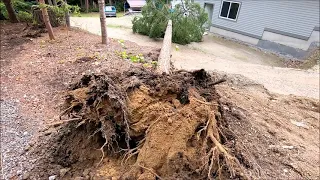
87 5
11 13
103 21
46 18
67 15
188 21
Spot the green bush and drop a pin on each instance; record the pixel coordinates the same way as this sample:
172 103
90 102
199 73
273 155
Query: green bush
96 9
188 21
59 13
3 10
22 8
119 6
24 16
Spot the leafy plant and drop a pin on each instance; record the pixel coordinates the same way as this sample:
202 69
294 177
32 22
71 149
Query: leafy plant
188 21
3 10
22 8
24 16
121 42
123 55
137 58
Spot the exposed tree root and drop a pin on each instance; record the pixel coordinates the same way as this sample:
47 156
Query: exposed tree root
155 119
218 149
151 171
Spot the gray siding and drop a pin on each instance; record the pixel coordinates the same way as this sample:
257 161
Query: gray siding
297 17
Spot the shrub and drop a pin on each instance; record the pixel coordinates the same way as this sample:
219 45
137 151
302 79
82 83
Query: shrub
24 16
188 21
22 8
119 6
3 10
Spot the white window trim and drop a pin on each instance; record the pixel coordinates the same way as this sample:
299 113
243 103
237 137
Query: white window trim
229 10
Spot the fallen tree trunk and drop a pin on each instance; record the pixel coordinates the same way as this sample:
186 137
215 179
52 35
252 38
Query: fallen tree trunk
165 53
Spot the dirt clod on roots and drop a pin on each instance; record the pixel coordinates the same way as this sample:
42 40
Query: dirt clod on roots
163 126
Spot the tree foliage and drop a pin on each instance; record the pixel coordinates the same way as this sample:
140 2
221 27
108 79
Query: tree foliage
22 10
188 21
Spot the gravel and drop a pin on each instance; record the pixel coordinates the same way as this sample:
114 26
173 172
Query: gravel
14 137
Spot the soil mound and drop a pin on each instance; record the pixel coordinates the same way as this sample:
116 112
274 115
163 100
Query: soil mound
160 126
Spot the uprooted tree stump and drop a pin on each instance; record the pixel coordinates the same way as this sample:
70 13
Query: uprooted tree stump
165 126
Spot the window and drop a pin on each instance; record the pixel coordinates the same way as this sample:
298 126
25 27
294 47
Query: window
229 10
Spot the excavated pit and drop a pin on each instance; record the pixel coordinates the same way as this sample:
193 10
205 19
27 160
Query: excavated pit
160 126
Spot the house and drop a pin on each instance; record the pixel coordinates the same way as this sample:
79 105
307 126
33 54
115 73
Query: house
287 26
136 5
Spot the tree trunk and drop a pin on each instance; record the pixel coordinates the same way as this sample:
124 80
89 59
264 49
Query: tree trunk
110 2
87 5
11 13
54 2
67 16
50 2
165 53
46 19
81 5
103 22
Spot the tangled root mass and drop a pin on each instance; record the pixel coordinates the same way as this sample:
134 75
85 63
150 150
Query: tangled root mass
163 126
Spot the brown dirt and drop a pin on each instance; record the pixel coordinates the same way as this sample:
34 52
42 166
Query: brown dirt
167 123
150 126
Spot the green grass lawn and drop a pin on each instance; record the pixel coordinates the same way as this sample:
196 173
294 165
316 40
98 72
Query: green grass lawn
94 14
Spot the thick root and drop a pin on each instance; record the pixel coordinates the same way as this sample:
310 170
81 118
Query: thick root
218 149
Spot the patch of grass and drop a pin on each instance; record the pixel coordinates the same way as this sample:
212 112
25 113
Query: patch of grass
94 14
120 14
91 14
117 26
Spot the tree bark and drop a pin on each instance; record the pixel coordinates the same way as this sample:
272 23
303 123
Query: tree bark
50 2
165 53
11 13
110 2
46 19
67 16
87 5
103 22
54 2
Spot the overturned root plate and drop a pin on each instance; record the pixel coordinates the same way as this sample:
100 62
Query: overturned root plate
155 126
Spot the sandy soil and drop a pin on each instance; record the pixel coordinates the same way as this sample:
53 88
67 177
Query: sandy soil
217 54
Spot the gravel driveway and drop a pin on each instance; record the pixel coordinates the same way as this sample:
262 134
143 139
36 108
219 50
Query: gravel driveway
216 54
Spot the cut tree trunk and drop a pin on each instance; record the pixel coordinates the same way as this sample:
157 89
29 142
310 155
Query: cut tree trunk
11 13
103 22
46 19
165 53
87 5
